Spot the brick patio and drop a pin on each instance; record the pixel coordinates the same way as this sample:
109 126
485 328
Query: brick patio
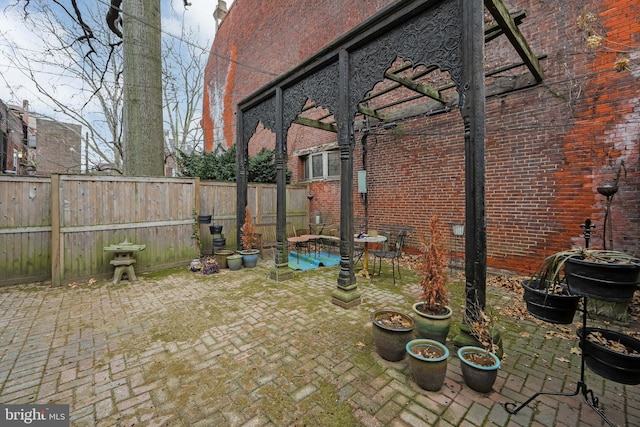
237 349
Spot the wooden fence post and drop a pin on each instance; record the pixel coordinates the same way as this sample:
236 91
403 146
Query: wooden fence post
196 203
57 265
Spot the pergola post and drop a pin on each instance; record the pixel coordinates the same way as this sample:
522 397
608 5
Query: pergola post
346 294
242 176
281 270
473 114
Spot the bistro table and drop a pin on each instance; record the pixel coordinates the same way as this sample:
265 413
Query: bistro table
304 241
299 242
123 259
365 257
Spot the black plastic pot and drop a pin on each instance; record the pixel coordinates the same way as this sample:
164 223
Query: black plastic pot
615 366
219 243
204 219
552 308
215 229
600 280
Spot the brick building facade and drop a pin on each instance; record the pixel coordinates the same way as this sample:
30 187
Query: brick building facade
548 147
59 147
34 146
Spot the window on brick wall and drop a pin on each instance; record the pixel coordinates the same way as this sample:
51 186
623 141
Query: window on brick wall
323 165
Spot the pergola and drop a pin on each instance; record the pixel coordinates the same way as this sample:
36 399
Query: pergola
429 36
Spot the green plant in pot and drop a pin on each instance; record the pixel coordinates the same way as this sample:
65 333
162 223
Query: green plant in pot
249 254
546 293
608 278
432 315
480 364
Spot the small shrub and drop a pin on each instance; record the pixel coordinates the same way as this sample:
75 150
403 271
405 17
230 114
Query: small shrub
248 233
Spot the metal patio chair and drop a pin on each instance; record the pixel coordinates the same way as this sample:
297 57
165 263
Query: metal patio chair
394 254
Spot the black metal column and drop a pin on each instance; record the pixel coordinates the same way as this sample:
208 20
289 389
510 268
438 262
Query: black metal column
473 113
242 176
282 255
346 295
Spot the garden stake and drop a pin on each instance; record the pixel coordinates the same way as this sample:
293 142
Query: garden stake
587 231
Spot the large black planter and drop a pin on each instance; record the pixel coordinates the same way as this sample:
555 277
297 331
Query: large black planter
552 308
615 366
601 280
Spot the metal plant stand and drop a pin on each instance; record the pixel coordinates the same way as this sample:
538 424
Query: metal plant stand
581 386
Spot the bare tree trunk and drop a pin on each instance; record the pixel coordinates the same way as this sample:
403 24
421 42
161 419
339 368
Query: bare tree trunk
143 134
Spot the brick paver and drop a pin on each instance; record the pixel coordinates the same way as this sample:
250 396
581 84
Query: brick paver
237 349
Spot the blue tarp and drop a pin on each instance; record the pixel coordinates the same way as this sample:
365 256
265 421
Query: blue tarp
298 261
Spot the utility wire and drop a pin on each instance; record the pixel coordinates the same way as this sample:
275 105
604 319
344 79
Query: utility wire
204 50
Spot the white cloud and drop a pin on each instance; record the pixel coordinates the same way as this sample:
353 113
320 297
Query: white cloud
198 17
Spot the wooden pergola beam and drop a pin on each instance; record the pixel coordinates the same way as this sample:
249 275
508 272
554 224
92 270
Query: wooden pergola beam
495 31
416 87
501 14
317 124
367 111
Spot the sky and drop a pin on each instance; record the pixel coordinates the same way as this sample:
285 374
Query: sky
15 87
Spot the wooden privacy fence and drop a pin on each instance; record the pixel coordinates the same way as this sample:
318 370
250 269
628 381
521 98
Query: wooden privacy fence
218 199
55 228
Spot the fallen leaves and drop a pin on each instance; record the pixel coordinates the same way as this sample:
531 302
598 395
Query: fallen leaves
613 345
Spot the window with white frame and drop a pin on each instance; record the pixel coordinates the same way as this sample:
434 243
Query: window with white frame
322 165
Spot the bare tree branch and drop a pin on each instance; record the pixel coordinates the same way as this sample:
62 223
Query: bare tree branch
114 21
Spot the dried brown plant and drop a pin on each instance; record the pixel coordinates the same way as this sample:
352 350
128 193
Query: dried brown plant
433 267
248 233
481 328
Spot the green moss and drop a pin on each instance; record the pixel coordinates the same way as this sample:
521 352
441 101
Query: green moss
330 409
162 274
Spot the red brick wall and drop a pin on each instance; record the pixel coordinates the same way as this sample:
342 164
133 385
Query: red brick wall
257 41
548 148
58 147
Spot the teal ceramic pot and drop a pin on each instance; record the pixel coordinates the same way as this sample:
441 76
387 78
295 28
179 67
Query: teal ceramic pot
234 262
428 372
478 377
250 258
432 327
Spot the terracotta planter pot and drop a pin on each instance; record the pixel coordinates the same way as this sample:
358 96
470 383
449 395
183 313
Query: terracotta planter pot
477 377
391 341
428 373
433 327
